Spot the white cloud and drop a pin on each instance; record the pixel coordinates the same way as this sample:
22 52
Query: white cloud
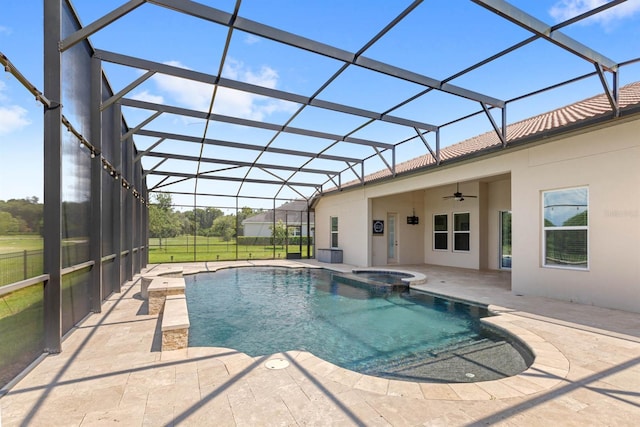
197 96
267 76
5 30
12 118
187 93
148 97
566 9
251 39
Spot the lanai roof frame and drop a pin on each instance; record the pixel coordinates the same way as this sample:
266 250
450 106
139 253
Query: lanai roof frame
605 69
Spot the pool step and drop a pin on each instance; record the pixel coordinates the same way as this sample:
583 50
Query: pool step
414 361
468 361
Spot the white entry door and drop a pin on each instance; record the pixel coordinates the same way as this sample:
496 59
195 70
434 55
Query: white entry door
392 238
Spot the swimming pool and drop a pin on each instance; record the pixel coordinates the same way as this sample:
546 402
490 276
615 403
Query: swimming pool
376 330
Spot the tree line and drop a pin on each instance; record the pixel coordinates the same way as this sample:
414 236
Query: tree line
21 216
165 221
25 216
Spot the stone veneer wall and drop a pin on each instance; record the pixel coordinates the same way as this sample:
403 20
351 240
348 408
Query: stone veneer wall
175 339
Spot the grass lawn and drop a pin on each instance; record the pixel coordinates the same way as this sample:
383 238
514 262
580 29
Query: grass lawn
15 264
176 249
181 249
20 242
21 329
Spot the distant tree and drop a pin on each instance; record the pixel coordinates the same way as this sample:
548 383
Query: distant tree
163 221
224 227
8 224
28 211
164 201
203 218
279 233
185 223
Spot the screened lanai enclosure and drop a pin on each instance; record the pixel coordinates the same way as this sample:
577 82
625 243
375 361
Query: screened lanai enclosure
176 130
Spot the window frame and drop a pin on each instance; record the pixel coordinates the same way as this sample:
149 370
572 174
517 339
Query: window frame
333 232
455 232
564 228
435 232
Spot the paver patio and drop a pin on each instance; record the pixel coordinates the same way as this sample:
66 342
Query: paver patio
111 372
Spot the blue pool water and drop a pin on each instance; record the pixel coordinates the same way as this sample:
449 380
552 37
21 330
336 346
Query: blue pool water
261 311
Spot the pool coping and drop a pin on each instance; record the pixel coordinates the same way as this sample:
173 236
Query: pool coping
550 367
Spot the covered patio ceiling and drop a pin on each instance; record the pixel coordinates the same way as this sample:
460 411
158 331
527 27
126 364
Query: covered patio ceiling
225 99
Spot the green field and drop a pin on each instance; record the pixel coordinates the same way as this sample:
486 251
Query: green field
16 264
21 329
181 249
20 242
20 257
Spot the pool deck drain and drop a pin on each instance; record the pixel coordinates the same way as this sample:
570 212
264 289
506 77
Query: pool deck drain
276 364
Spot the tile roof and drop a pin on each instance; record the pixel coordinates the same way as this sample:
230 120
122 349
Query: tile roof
556 120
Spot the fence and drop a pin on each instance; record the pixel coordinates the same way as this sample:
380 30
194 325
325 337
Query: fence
183 249
21 265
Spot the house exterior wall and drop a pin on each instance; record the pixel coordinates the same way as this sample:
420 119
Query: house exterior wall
256 229
605 159
436 204
263 229
409 236
353 225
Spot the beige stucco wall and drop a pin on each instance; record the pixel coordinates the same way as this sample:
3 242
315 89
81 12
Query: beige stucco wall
352 211
435 205
409 237
606 159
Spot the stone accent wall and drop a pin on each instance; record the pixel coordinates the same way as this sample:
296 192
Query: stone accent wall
167 299
160 288
175 339
158 297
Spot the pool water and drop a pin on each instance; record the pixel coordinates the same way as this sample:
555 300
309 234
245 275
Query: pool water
377 330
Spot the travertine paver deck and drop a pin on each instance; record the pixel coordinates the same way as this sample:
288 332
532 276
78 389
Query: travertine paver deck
111 372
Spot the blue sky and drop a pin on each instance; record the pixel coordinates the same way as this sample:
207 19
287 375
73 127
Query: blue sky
438 39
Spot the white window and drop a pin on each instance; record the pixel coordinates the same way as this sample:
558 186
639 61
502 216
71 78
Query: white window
461 232
440 232
334 232
566 228
294 231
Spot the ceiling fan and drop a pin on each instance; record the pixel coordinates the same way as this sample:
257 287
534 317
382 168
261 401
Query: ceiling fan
458 196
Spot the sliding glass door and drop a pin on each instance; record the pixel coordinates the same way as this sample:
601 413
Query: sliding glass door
505 239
